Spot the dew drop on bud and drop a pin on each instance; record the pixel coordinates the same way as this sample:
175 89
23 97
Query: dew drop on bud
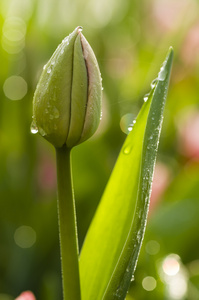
33 128
42 132
55 112
49 70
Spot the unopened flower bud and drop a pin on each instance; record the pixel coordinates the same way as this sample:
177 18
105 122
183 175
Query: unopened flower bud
67 100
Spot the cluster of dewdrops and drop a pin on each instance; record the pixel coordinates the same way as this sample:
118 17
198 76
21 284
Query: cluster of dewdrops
128 120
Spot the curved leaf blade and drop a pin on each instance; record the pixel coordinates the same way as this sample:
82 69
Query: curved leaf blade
111 248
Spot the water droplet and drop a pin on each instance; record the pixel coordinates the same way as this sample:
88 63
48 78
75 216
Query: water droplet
132 278
139 213
65 40
139 236
162 74
48 70
34 128
146 97
101 115
127 150
62 51
102 88
42 132
55 112
153 83
44 67
130 127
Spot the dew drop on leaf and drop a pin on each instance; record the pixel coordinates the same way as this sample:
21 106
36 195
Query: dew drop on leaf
153 83
162 74
130 127
146 97
127 150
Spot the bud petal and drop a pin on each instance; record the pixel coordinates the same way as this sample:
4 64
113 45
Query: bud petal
93 111
67 100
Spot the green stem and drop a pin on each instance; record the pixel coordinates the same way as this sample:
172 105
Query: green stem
67 227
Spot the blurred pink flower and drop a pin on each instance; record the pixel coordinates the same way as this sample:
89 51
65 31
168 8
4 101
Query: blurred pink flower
26 296
188 134
190 48
161 180
46 174
169 14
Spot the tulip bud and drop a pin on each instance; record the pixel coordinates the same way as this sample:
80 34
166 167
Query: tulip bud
67 100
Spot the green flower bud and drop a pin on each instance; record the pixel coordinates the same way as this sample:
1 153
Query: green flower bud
67 100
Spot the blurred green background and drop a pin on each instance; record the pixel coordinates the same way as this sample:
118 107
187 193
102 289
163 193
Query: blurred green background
130 40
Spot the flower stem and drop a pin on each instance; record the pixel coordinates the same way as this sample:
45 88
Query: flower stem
67 227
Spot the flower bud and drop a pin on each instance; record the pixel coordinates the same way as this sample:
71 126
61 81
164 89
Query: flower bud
67 100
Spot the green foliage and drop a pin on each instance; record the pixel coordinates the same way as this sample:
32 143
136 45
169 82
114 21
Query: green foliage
112 245
129 39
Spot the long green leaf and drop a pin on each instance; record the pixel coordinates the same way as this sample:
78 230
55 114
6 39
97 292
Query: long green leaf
111 248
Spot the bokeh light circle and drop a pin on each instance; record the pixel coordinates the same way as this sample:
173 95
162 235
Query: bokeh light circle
152 247
149 283
25 236
15 87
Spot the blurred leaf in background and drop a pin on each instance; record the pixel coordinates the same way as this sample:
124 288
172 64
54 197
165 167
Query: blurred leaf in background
129 39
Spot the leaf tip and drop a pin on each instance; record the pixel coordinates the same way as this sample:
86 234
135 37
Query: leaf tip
170 54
